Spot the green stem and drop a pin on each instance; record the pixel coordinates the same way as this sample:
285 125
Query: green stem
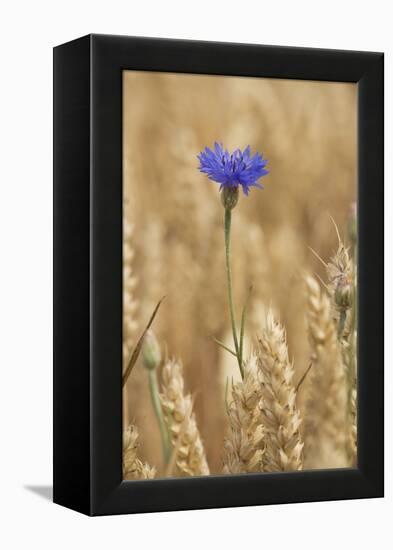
153 384
242 325
227 233
341 324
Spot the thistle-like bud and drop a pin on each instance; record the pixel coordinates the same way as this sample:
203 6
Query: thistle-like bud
343 295
229 197
151 352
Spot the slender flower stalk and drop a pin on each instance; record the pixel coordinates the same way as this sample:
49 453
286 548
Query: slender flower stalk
242 325
227 234
154 393
231 171
151 356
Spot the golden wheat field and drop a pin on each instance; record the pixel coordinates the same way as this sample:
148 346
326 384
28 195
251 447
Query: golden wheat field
190 407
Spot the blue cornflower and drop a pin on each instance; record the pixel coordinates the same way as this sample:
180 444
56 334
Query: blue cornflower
232 170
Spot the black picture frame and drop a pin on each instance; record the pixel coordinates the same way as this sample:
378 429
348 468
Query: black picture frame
88 274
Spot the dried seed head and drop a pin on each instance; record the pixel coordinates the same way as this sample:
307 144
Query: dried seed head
343 295
340 273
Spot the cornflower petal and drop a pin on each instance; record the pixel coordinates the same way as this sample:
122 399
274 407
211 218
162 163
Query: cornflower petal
233 169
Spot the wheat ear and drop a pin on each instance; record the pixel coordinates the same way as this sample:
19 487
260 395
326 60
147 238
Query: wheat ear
327 406
133 468
279 413
130 305
243 447
181 422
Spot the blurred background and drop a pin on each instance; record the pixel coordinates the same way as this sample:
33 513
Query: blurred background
173 223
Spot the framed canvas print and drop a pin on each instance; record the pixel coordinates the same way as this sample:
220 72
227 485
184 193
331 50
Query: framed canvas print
218 275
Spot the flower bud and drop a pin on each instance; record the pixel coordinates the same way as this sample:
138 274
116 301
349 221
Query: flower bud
229 197
343 295
151 352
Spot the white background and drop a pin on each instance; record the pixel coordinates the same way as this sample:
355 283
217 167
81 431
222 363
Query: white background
28 31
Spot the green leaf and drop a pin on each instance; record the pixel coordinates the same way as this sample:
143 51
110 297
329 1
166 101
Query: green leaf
224 346
138 347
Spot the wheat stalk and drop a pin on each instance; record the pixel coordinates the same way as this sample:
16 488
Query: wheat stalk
279 413
243 447
342 284
326 421
133 467
181 422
